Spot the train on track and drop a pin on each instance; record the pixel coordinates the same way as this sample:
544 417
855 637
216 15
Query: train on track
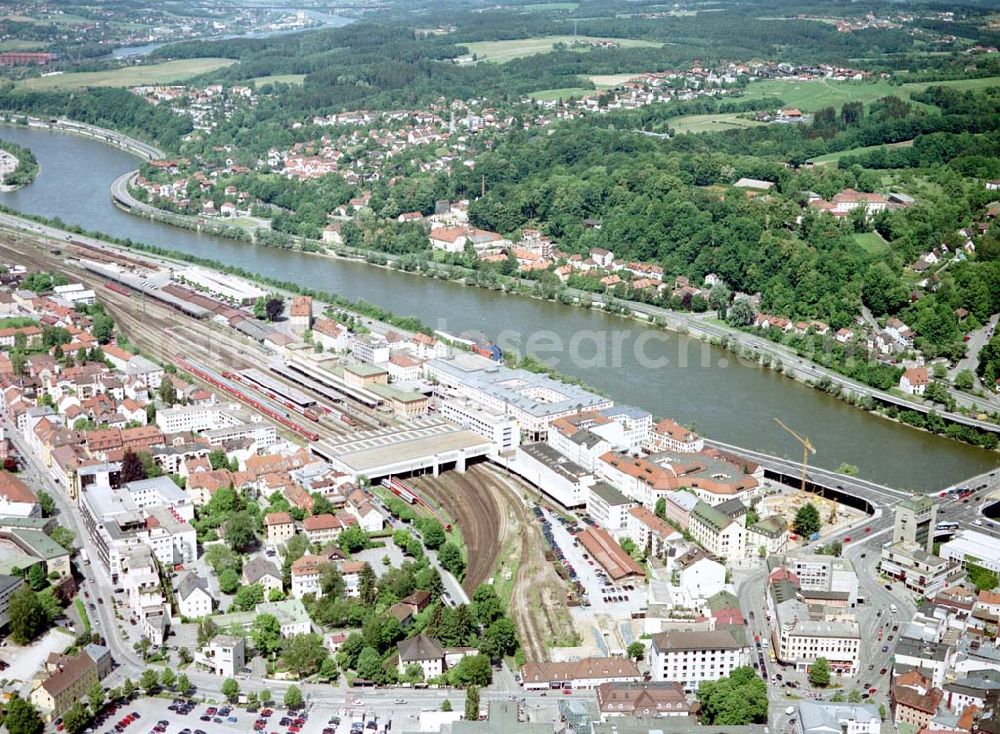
409 495
273 411
118 288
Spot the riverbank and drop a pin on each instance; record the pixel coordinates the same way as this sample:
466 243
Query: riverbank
118 140
18 166
749 347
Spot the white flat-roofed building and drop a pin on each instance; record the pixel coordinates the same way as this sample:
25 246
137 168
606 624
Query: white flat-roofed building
839 718
199 418
636 423
535 400
370 348
563 480
608 506
974 547
502 430
800 640
224 655
228 287
690 657
423 443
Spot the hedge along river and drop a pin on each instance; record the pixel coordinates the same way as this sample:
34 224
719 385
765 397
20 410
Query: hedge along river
668 374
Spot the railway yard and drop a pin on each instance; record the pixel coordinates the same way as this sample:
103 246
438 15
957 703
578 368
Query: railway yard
502 535
492 509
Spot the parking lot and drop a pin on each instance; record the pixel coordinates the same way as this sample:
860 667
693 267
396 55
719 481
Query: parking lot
622 599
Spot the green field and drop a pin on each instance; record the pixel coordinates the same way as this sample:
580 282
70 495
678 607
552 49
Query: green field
871 242
129 76
548 7
834 157
563 93
15 45
504 51
279 79
710 123
810 96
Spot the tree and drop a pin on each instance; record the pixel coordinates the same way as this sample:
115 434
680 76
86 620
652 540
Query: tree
293 697
450 558
230 689
273 309
75 718
266 633
636 650
433 534
472 703
253 700
167 392
737 700
499 640
660 509
46 504
369 665
128 689
367 586
807 520
63 536
132 468
446 705
303 654
184 686
22 718
95 696
37 579
353 539
103 328
486 605
248 597
229 581
963 381
471 670
741 313
819 673
149 681
331 582
168 678
240 531
27 616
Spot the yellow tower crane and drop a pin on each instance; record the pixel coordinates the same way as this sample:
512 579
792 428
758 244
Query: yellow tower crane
807 448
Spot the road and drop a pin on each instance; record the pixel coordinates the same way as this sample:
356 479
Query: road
977 340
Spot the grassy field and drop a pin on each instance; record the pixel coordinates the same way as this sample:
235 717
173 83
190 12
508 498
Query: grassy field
280 79
710 123
563 93
549 7
834 157
872 242
129 76
810 96
608 81
15 45
504 51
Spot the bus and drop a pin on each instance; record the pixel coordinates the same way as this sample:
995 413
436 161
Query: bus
947 525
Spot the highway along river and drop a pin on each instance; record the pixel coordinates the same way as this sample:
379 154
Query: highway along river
705 388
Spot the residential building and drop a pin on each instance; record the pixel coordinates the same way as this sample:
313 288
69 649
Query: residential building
224 655
193 597
669 435
923 573
690 657
424 651
16 499
66 685
645 699
914 700
259 570
914 381
306 572
579 674
278 528
9 585
717 532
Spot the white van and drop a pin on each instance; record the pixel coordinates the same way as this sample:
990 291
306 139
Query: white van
892 608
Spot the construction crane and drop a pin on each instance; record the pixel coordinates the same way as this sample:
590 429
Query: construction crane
807 448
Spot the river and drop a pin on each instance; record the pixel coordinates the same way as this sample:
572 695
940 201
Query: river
700 386
325 19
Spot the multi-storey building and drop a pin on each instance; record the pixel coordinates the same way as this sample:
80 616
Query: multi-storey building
691 657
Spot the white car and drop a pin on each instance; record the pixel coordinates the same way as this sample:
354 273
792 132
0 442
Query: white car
400 701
